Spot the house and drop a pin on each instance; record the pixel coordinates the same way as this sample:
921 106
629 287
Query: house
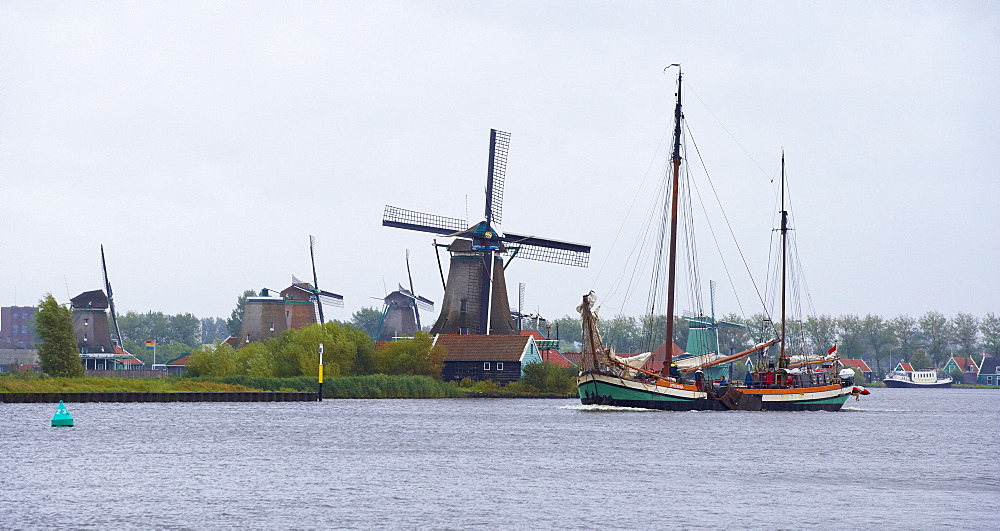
989 372
548 349
500 358
968 366
858 364
177 366
903 367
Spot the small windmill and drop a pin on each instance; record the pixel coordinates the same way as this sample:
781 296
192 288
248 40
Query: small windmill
401 313
475 299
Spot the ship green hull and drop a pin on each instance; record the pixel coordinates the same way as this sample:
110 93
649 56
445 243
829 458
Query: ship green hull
612 391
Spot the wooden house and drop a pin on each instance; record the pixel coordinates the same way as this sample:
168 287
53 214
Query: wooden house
968 366
858 364
989 372
500 358
548 349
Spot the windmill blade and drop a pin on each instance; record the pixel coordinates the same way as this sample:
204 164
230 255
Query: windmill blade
546 250
312 258
499 145
111 300
331 299
425 304
402 218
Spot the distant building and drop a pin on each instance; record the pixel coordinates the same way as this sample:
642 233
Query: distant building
860 365
270 315
548 349
399 318
500 358
17 326
968 366
16 359
989 372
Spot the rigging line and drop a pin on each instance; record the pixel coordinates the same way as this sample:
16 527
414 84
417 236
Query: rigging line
795 245
747 153
638 247
631 205
728 224
715 238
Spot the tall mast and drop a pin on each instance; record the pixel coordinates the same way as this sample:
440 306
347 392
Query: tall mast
782 362
672 272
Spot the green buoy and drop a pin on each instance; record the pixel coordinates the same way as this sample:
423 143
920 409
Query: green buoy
62 416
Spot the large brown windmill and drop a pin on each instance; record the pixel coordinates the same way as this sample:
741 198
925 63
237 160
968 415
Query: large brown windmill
475 296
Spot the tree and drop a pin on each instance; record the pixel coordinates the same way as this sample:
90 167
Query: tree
990 327
905 332
367 320
920 360
965 328
235 321
569 328
937 335
417 356
821 331
550 378
185 328
879 338
57 351
733 337
213 329
852 336
622 332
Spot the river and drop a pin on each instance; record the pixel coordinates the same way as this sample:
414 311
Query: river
899 458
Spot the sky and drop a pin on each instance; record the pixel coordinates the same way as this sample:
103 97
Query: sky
203 142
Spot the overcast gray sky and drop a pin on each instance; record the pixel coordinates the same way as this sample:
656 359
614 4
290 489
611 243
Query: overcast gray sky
202 142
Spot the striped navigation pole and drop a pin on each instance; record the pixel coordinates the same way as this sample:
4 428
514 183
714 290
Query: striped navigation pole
320 372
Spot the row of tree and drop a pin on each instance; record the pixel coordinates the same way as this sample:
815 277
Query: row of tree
932 337
347 351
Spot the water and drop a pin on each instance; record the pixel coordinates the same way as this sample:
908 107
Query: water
900 458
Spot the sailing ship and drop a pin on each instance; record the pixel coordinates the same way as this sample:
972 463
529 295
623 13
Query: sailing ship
794 383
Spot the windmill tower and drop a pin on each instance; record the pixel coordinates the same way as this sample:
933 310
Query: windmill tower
401 313
266 315
475 298
91 327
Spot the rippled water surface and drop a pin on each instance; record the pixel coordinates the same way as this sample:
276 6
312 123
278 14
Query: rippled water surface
899 458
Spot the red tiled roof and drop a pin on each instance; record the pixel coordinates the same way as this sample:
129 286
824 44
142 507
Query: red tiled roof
562 359
483 348
656 362
967 364
182 361
906 366
131 361
860 364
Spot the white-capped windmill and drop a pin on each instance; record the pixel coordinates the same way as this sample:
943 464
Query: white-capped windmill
475 298
401 313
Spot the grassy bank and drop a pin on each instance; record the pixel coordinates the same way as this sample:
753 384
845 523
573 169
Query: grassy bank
17 384
369 386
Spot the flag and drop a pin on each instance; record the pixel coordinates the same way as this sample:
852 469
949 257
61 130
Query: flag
833 350
151 344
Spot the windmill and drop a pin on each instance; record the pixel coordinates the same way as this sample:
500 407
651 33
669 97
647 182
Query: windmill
401 313
475 299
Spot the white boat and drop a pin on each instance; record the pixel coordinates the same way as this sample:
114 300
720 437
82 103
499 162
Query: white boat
927 378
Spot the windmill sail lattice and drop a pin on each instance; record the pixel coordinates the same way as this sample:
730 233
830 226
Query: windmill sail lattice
475 298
